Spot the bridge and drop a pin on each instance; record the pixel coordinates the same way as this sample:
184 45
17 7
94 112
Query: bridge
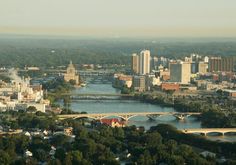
127 115
97 94
94 94
205 131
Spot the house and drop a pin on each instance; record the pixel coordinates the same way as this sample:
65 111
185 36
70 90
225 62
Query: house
113 122
28 153
68 131
208 154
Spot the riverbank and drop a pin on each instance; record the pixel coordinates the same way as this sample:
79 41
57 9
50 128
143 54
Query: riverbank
212 115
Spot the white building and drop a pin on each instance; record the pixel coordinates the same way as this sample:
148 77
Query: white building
144 62
151 81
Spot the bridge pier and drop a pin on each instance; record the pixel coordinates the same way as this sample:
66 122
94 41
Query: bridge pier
181 116
152 117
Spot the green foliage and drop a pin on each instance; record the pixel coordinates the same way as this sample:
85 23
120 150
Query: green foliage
4 158
31 109
218 119
5 78
103 144
72 82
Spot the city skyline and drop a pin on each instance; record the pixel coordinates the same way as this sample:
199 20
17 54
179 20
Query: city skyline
109 18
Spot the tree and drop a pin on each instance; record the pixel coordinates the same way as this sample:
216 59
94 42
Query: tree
171 146
118 133
75 157
40 155
60 154
54 162
59 140
31 109
153 139
145 158
72 82
4 158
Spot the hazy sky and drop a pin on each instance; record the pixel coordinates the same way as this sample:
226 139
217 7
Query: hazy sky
170 18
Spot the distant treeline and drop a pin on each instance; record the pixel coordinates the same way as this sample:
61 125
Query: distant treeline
31 51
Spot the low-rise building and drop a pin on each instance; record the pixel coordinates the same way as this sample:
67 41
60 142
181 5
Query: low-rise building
139 83
151 81
170 86
113 122
68 131
230 93
121 80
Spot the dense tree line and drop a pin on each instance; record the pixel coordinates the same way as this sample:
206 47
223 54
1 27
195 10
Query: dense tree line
102 145
170 132
21 51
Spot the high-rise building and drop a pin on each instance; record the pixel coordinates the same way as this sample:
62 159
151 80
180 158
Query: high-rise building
227 64
180 72
221 64
202 67
215 64
206 59
154 63
144 62
135 63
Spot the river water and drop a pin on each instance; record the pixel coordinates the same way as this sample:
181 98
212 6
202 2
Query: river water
108 106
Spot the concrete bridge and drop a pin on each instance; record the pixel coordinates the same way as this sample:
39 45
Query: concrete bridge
127 115
205 131
95 96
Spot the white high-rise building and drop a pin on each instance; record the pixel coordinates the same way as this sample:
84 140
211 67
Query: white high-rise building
144 62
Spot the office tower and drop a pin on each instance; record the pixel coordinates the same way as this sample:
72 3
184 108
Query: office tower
227 64
144 62
180 72
154 63
215 64
135 63
194 67
221 64
202 67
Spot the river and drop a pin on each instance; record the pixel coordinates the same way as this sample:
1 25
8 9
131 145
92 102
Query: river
107 106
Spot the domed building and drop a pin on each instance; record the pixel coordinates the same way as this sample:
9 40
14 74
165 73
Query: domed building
71 74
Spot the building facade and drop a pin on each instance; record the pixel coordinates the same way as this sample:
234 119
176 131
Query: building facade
139 83
221 64
202 67
144 62
71 74
135 63
180 72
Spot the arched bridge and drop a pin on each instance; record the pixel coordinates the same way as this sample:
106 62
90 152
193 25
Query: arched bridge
205 131
127 115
